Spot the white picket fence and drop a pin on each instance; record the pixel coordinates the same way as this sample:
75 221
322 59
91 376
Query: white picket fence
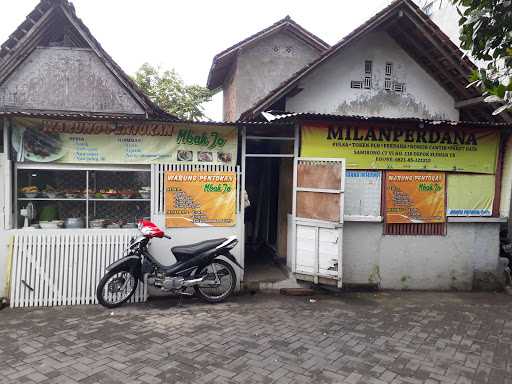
63 267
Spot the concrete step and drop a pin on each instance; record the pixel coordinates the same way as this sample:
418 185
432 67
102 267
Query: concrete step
272 286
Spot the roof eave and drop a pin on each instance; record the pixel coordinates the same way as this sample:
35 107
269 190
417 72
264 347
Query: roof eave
305 117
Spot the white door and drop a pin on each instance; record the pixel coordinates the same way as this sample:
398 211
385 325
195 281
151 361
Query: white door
319 186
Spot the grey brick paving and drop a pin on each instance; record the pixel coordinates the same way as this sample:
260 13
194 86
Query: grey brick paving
352 338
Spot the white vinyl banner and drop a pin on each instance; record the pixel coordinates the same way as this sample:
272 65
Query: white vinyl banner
363 193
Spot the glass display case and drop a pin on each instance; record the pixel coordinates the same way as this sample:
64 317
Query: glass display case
82 198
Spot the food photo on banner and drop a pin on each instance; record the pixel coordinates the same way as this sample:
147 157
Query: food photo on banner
415 197
103 142
200 199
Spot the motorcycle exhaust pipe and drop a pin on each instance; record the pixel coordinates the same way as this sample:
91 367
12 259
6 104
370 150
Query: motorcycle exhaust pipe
189 283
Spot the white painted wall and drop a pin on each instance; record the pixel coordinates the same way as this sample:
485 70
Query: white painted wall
5 216
327 89
4 253
469 252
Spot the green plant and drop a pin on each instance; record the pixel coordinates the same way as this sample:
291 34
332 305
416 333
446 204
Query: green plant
166 89
486 33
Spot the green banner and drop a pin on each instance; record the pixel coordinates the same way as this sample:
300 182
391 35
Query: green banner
104 142
398 148
470 195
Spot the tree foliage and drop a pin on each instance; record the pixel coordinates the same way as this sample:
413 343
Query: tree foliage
166 89
486 33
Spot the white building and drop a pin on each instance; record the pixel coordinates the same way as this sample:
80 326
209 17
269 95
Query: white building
398 67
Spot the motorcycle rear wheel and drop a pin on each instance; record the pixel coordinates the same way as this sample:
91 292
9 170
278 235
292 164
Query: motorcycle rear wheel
211 291
116 288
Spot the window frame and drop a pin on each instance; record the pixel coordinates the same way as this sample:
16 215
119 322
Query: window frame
368 67
390 67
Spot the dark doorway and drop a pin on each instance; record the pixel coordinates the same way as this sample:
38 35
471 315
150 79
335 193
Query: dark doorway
268 184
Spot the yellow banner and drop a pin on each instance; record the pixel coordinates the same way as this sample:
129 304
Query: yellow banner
46 141
415 197
470 195
200 199
399 148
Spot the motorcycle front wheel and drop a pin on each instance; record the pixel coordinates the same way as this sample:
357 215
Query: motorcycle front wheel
116 288
219 283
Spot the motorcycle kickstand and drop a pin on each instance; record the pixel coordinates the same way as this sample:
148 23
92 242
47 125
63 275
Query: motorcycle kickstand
182 294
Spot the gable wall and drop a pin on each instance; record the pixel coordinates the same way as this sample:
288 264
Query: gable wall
328 90
66 79
263 66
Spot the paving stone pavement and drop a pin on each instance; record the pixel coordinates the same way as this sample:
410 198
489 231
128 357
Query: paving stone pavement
375 338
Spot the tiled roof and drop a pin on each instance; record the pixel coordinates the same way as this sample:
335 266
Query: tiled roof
79 116
325 117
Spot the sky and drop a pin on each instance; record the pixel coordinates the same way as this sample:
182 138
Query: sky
185 35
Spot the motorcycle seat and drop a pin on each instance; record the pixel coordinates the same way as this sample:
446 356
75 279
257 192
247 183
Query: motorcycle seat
183 251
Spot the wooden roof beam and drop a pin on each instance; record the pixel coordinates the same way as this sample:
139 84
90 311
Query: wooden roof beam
458 64
22 50
468 102
404 37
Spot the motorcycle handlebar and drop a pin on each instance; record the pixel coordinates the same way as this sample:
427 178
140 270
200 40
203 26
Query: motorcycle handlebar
167 236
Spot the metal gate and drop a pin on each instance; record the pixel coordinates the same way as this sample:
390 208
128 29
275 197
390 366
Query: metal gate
318 199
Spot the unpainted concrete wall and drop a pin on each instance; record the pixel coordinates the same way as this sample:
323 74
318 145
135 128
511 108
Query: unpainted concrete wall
66 79
229 95
327 89
466 258
263 66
